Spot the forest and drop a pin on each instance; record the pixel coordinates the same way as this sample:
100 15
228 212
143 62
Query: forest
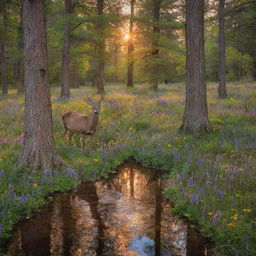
120 116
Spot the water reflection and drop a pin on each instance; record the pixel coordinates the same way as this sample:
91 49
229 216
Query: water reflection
124 216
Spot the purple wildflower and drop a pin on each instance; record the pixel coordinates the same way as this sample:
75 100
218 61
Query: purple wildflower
200 162
194 198
216 217
1 228
71 173
24 198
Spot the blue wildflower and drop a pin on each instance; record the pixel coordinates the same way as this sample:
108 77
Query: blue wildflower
71 173
194 198
200 162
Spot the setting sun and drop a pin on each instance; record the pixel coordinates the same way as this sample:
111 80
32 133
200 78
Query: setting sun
126 37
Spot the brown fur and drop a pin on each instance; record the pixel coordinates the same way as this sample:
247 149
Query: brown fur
77 123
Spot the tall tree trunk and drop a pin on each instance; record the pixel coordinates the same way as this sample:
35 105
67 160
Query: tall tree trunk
93 69
222 50
130 57
196 113
38 150
18 66
100 50
254 68
116 51
65 91
155 46
3 55
18 76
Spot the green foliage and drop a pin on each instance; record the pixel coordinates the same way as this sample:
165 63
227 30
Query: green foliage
238 64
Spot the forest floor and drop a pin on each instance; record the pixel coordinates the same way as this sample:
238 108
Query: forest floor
215 173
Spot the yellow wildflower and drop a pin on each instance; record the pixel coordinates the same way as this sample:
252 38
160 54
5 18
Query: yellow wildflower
234 217
241 169
247 210
209 213
95 160
35 185
231 224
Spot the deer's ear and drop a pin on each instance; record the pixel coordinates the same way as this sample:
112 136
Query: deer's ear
89 100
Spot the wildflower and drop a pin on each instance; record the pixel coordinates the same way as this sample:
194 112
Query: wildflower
247 210
241 169
200 162
1 228
95 160
71 173
1 173
191 182
169 145
209 213
216 217
231 224
35 185
194 198
234 217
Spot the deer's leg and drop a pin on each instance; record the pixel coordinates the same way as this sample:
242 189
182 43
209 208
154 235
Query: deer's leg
83 141
65 132
70 137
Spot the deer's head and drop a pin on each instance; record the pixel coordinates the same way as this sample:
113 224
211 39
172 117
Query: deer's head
95 104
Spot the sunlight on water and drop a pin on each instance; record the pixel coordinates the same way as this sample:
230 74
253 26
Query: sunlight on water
126 215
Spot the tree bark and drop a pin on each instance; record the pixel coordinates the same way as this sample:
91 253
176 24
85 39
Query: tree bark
65 91
130 57
3 56
155 46
100 50
38 150
222 51
195 117
254 68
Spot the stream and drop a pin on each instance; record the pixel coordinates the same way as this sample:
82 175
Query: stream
126 215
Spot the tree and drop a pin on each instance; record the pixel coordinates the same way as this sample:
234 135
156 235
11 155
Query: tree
38 147
195 117
99 50
130 61
65 91
18 65
156 35
222 51
3 56
241 28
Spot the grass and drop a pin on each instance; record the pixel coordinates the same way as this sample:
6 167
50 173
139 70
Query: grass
214 174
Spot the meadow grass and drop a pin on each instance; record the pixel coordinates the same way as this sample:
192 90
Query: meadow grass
214 174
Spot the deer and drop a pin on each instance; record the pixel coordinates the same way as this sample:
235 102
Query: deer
76 123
